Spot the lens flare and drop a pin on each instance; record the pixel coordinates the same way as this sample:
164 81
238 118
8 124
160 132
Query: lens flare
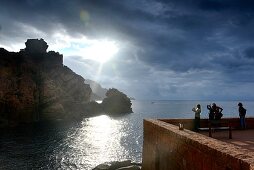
84 16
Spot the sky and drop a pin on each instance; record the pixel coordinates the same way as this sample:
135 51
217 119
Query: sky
148 49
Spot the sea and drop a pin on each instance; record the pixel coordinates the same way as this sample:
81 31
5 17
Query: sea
92 141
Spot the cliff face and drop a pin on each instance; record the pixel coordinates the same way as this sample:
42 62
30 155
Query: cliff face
98 93
34 85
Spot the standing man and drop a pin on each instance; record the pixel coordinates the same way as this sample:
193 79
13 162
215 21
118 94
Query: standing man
242 113
197 111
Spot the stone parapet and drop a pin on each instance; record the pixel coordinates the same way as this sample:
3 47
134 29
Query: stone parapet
167 147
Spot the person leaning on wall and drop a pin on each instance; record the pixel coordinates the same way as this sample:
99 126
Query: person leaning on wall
242 113
197 111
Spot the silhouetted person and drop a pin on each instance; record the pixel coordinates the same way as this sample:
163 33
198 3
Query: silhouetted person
242 113
197 111
215 112
211 113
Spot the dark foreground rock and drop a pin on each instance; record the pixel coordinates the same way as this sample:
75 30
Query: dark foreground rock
116 165
36 86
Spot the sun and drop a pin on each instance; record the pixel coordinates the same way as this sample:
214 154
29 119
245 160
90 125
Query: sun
101 51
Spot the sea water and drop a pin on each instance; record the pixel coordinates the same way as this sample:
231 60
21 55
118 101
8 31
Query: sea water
87 143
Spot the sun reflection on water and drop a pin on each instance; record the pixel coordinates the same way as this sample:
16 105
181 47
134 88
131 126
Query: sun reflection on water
97 141
100 135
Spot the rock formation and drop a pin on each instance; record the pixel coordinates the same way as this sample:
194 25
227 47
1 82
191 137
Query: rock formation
116 102
118 165
35 46
36 86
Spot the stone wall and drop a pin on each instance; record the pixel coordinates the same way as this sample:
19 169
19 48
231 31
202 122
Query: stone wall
166 147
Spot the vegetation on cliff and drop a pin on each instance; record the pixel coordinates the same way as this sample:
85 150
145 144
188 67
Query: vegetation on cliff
35 86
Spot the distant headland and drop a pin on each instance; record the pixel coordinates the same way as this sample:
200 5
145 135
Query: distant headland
36 86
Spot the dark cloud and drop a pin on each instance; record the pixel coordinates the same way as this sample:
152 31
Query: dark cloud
213 5
235 5
166 35
249 52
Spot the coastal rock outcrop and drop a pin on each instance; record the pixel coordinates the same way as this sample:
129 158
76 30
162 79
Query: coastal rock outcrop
118 165
36 86
116 102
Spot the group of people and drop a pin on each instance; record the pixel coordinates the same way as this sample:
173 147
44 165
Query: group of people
215 113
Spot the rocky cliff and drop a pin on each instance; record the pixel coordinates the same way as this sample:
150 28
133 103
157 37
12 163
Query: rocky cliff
35 86
98 92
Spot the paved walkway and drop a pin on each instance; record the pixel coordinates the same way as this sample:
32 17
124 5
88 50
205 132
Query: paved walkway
241 138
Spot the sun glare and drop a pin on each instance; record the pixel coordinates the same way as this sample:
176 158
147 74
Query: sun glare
101 51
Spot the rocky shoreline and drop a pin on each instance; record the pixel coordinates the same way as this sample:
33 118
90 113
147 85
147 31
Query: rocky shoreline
118 165
36 86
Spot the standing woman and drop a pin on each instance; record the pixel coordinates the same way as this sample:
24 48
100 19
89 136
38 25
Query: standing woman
242 113
197 111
